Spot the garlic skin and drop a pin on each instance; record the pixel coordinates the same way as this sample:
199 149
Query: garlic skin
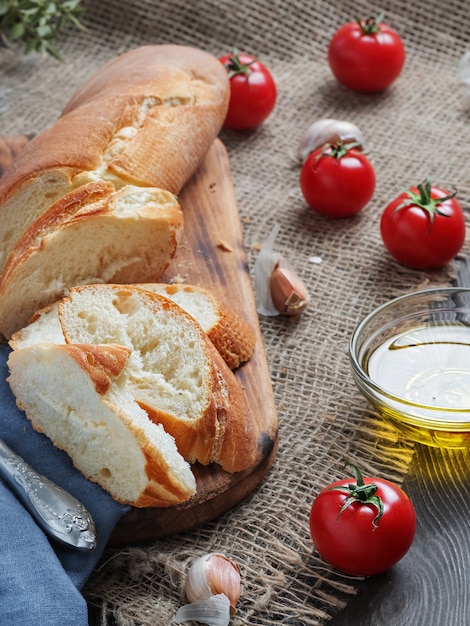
214 611
464 69
326 131
278 289
213 574
264 266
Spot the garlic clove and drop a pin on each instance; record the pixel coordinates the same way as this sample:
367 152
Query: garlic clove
288 292
213 611
213 574
326 131
278 289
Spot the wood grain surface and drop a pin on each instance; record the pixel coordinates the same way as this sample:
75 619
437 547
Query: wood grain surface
430 585
211 254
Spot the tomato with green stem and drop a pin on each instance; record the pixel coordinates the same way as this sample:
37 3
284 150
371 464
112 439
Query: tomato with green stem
423 227
366 55
253 91
362 527
337 180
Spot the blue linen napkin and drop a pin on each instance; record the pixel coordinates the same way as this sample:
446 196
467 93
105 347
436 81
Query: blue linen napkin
40 580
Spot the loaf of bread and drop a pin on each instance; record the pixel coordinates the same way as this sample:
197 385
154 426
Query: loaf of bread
229 331
98 188
176 373
77 395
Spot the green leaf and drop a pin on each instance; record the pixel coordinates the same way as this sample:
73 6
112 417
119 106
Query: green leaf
33 45
45 31
53 51
17 32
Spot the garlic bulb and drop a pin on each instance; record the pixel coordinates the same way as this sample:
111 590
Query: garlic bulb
326 131
278 289
213 588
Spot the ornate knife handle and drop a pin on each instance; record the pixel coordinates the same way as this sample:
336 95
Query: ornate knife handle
56 511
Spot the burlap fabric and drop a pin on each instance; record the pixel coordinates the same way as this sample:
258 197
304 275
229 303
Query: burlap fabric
417 129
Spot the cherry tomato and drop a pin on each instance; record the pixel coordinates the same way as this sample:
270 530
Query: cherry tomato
337 180
423 228
363 527
366 55
252 91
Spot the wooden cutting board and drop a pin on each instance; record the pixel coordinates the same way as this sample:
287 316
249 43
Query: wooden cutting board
211 254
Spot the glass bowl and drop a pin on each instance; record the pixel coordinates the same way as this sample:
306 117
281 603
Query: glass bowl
410 358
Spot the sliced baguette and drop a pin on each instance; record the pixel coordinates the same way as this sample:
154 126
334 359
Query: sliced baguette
120 237
77 396
229 331
145 121
175 372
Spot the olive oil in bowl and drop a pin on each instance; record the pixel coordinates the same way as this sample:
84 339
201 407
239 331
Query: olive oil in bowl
428 366
411 360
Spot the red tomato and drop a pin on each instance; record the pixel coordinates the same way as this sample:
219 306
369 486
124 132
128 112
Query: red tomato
366 55
423 228
252 91
337 180
364 527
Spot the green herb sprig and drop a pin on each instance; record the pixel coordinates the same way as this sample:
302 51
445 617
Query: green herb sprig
37 23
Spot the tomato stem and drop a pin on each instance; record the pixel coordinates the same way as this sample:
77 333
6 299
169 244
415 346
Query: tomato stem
371 25
235 66
423 200
339 149
362 493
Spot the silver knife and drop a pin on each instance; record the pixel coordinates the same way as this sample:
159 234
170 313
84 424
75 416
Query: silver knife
57 512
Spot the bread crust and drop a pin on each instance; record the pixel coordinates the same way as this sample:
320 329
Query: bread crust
184 93
191 92
101 363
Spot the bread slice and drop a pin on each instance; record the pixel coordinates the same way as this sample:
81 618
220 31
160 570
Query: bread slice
175 372
77 396
122 236
229 331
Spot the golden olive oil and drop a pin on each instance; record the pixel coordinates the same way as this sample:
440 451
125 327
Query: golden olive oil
429 367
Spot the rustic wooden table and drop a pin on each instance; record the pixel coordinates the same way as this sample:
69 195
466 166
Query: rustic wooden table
430 585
